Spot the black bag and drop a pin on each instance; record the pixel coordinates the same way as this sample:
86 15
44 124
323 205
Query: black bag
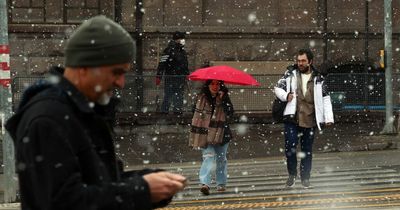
278 107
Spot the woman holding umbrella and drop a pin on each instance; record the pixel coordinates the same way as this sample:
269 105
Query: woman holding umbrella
211 133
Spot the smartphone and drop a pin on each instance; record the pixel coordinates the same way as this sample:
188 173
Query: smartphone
185 182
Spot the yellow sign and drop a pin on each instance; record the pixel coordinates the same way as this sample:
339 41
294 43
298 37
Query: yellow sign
382 58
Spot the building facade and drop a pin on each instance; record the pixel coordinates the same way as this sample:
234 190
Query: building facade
340 32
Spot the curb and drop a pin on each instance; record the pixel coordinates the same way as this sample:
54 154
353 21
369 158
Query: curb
10 206
373 143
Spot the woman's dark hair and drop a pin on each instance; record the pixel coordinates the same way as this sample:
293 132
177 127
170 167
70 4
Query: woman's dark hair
206 90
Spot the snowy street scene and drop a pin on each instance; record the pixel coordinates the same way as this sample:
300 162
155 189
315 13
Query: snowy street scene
199 104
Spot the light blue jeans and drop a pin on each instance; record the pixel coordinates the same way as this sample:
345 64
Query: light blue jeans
214 159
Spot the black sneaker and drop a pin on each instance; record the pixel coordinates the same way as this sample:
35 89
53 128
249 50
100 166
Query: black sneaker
205 189
291 181
306 183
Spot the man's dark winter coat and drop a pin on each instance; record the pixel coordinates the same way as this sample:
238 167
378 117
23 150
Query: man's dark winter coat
173 60
65 154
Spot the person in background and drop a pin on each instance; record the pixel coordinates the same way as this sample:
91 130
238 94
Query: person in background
210 131
308 106
173 66
65 154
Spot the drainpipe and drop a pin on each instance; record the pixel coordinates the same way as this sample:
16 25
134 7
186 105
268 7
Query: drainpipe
139 54
366 54
118 11
325 28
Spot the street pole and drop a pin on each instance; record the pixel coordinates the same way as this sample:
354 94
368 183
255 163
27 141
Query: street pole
9 178
389 128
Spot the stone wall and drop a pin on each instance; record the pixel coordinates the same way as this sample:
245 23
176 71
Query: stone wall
223 30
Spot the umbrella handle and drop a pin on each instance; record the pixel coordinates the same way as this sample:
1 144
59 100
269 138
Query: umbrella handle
188 87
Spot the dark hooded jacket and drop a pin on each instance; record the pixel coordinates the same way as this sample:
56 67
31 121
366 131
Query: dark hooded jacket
65 154
173 60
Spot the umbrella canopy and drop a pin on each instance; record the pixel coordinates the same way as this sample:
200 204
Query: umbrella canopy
225 73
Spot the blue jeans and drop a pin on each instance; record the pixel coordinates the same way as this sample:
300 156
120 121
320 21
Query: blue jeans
214 158
294 133
173 92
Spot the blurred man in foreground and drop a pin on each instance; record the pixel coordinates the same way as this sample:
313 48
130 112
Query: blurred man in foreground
65 152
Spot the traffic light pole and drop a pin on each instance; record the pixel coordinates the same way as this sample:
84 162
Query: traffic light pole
389 128
8 178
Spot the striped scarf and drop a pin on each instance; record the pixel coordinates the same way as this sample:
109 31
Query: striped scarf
207 126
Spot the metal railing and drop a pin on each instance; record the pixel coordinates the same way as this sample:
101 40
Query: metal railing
358 91
348 91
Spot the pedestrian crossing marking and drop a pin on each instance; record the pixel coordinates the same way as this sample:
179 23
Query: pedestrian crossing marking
258 184
384 190
294 203
353 207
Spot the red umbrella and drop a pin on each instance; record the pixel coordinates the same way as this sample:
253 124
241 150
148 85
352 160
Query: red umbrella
225 73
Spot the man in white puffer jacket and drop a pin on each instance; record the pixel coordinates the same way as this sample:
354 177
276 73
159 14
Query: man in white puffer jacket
308 106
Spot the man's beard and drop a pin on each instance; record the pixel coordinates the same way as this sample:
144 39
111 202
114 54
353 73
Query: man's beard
304 69
104 99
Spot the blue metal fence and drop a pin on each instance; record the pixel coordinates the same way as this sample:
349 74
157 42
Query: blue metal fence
354 91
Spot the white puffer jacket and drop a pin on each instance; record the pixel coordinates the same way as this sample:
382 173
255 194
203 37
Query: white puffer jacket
322 100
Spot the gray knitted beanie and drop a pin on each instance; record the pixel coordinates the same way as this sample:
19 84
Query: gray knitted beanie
99 41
